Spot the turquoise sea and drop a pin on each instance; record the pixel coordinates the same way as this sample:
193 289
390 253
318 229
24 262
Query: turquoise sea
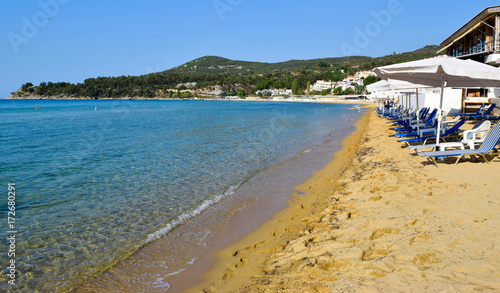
92 186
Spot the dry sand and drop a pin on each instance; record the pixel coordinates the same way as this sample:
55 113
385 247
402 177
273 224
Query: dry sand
375 219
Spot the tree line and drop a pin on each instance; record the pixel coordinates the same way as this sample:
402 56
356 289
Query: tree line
232 77
171 84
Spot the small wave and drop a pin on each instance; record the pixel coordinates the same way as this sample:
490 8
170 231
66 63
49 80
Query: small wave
183 218
175 273
309 150
201 240
191 262
160 283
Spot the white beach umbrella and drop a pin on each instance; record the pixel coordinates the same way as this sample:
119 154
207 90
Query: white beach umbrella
392 84
379 90
443 71
398 85
379 86
403 87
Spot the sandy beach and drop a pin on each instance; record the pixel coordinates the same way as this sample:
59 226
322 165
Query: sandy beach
375 219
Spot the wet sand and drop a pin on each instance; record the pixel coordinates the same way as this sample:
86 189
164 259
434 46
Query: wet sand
375 219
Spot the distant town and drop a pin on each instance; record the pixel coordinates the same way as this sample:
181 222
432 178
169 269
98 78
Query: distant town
351 85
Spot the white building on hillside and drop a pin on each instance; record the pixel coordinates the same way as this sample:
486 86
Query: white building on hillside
321 85
349 82
281 92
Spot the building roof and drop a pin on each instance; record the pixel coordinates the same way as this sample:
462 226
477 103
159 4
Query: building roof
471 24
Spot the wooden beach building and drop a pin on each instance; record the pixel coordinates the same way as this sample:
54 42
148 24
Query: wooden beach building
479 40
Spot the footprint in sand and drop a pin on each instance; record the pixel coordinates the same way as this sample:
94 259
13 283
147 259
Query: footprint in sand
229 272
382 232
419 238
426 259
370 254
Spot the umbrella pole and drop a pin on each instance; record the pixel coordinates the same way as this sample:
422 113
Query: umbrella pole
409 101
418 114
408 107
440 116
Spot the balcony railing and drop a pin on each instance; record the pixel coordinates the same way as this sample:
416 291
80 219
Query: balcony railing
489 47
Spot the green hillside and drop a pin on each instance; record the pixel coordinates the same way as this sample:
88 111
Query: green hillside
215 64
209 73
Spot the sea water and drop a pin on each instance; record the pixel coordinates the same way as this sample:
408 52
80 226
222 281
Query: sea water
97 180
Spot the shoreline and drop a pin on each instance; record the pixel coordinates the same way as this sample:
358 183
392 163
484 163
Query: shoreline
375 219
239 261
307 99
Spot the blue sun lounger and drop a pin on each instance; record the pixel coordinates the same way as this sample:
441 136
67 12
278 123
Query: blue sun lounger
448 132
407 122
486 113
468 115
469 137
489 143
424 129
409 131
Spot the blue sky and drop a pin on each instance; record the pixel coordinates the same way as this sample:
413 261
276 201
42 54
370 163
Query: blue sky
71 40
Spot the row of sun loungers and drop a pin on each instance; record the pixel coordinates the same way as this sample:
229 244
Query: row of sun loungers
470 138
481 140
481 113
